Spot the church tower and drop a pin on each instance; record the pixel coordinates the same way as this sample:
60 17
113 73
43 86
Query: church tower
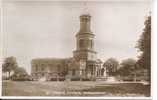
85 41
85 53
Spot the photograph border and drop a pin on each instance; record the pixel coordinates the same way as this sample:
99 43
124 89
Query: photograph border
153 60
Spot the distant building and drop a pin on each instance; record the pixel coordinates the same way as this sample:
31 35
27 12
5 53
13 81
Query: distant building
84 63
48 67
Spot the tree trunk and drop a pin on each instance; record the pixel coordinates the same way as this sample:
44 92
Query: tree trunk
135 78
9 75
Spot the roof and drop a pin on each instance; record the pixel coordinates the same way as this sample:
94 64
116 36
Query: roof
49 61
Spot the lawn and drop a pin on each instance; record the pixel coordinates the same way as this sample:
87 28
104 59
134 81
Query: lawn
74 88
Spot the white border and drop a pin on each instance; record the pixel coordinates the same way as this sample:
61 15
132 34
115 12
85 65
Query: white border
1 45
154 51
154 58
38 97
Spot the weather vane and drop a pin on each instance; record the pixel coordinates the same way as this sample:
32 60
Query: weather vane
85 10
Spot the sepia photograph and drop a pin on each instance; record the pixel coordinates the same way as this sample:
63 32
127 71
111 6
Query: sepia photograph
82 48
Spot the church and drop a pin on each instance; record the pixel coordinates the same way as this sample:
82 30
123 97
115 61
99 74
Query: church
84 64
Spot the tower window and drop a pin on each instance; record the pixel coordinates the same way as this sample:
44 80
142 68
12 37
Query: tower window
36 68
90 43
82 43
42 69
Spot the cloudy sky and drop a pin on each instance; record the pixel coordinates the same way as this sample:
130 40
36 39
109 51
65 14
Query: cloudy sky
44 29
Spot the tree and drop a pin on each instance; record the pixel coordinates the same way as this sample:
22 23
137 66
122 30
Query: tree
9 65
127 67
144 46
111 66
20 71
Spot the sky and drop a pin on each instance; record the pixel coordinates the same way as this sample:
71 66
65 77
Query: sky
47 29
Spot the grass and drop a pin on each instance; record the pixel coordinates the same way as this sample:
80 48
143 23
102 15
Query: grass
29 88
122 89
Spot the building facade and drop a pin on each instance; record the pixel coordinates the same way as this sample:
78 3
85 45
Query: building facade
84 63
85 53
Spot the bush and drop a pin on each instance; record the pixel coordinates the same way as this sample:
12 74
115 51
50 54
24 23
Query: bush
75 79
57 79
53 79
21 77
61 78
85 79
